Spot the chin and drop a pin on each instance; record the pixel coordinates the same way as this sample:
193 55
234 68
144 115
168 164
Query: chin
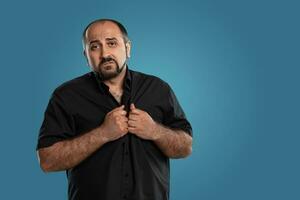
111 67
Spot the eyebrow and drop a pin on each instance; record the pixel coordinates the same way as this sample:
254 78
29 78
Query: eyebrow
110 39
93 41
107 39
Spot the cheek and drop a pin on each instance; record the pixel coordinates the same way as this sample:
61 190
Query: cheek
93 59
121 56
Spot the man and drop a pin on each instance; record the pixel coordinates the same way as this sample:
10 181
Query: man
113 129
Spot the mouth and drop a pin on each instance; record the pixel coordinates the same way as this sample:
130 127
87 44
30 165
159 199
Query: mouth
108 63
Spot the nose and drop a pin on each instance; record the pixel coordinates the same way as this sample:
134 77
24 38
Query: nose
105 52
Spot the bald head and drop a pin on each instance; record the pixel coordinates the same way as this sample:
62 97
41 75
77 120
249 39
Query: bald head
121 28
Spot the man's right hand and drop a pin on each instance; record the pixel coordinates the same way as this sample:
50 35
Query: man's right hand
67 154
115 124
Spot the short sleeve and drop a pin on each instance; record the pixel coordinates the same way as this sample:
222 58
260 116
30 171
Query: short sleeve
58 123
175 117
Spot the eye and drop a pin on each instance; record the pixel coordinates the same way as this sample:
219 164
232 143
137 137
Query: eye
94 47
112 44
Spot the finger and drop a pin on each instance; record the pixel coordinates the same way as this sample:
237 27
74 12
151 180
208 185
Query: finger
119 108
132 106
125 127
133 117
121 112
132 130
116 109
135 111
124 119
131 124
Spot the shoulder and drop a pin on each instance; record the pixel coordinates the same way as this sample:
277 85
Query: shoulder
75 84
141 78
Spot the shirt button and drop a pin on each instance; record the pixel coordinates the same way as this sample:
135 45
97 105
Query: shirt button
126 175
124 196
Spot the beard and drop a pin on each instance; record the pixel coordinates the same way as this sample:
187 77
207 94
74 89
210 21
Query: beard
106 71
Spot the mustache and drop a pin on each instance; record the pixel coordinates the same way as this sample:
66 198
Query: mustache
107 59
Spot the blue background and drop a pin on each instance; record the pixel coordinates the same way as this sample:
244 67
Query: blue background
234 66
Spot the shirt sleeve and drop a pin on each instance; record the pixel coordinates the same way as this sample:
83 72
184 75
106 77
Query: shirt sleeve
58 123
175 117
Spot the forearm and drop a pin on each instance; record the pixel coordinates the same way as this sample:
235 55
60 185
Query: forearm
69 153
173 143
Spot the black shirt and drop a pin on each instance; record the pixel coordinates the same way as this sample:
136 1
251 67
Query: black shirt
127 168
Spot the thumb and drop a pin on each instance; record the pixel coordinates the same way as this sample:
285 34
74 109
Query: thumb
132 106
120 107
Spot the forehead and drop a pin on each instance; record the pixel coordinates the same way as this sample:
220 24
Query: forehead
102 30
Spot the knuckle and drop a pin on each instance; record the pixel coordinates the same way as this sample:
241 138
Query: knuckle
119 124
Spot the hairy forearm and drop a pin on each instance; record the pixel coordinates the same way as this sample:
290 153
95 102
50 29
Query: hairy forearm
173 143
69 153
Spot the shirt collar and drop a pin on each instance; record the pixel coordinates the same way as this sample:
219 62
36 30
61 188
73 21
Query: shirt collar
104 88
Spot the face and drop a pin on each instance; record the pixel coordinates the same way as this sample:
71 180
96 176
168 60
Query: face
106 50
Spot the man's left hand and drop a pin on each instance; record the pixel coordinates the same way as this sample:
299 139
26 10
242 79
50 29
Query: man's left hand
141 124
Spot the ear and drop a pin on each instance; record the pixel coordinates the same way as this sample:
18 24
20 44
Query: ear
128 48
84 53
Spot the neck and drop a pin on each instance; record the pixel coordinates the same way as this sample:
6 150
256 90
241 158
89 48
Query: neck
117 82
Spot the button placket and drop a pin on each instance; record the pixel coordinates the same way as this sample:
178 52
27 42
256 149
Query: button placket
126 175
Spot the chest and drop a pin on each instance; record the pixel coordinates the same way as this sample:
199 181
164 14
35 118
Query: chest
90 110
